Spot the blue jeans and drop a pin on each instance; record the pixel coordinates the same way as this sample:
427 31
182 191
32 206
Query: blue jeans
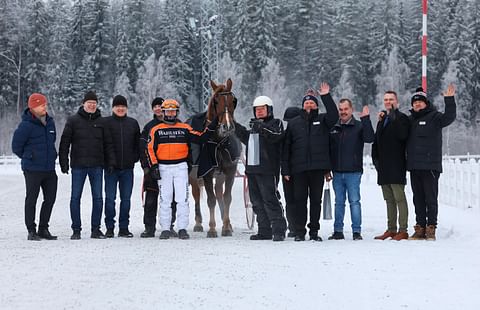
347 183
124 179
95 176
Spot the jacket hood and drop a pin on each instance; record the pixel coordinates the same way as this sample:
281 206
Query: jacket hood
28 116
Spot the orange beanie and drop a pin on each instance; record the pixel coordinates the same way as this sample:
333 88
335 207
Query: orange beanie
36 100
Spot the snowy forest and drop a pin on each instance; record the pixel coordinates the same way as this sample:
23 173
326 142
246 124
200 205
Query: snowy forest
279 48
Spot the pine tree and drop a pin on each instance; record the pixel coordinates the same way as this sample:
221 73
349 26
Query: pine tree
59 58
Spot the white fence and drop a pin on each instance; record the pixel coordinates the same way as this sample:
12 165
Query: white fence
459 184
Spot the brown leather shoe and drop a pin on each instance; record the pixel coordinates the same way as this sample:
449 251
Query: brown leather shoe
430 233
419 233
401 235
386 235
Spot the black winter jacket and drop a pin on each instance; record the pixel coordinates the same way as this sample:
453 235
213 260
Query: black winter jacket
90 141
389 149
125 134
306 145
144 140
271 136
424 145
346 144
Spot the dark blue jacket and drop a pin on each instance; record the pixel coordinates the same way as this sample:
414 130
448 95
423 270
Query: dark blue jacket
34 143
346 144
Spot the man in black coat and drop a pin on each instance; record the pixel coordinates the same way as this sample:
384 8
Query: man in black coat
89 143
347 139
264 142
389 158
150 186
125 134
424 157
306 157
288 190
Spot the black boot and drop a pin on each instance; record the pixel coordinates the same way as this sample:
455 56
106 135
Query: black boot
337 235
76 235
182 234
260 237
125 233
32 235
109 233
45 234
358 236
149 232
278 237
165 234
299 238
97 234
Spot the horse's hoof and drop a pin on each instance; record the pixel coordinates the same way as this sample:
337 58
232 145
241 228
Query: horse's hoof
198 228
212 234
226 233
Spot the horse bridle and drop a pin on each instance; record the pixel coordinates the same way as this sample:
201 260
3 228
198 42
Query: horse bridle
229 114
224 94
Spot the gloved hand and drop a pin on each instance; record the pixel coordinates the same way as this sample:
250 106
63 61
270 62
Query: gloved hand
64 169
155 172
256 124
110 170
214 124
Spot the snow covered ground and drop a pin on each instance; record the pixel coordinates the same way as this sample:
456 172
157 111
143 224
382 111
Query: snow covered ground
234 272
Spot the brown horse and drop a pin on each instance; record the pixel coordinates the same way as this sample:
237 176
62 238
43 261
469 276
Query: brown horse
221 161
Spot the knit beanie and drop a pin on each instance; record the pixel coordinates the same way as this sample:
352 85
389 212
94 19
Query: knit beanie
157 101
419 95
90 95
36 100
119 100
310 97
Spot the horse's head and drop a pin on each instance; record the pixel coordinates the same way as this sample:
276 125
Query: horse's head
222 105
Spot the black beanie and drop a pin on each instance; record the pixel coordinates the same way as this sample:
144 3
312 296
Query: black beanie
310 97
157 101
419 95
90 95
119 100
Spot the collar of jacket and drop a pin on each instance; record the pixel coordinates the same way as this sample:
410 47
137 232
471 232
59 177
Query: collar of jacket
115 116
311 115
421 113
351 122
86 115
29 116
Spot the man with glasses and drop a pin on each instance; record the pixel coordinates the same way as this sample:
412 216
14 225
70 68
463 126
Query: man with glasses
88 142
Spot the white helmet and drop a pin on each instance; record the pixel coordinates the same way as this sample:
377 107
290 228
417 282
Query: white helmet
261 101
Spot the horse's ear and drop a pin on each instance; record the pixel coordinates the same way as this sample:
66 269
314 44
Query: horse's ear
214 86
229 84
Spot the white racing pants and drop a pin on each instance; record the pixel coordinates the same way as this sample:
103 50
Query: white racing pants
174 179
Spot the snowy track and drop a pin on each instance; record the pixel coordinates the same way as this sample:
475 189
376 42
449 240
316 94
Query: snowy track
233 272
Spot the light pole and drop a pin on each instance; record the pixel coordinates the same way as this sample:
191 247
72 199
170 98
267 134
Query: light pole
210 33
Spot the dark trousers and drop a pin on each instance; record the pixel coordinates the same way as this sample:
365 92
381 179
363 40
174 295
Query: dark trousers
425 196
124 180
266 205
150 207
308 184
34 180
288 191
